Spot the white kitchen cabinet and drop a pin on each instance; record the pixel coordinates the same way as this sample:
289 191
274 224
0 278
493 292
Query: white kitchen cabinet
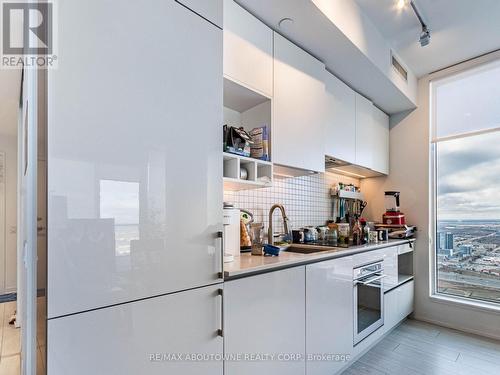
380 141
128 218
391 267
405 299
372 136
391 310
364 132
340 131
248 49
211 10
265 314
398 304
356 131
329 314
131 338
299 108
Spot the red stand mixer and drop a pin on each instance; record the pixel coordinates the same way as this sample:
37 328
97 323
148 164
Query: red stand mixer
393 216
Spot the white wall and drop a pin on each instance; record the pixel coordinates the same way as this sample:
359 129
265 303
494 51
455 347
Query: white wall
8 144
409 173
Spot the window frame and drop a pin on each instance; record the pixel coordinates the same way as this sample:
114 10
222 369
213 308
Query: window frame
444 76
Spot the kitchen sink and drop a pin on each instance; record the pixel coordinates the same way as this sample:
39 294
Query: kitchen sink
303 250
311 249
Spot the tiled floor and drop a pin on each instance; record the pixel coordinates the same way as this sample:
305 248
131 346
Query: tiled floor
10 340
417 348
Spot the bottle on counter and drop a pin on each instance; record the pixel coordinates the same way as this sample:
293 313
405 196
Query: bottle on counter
364 231
343 234
357 233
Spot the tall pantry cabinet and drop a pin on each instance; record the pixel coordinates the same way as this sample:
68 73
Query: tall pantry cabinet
132 246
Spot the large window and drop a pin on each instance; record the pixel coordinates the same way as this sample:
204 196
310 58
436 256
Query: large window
466 143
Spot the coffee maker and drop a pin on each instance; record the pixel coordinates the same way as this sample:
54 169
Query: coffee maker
393 215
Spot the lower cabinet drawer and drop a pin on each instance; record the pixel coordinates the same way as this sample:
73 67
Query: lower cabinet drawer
405 299
398 304
391 316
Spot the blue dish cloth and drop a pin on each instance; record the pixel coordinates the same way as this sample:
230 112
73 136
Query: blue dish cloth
271 250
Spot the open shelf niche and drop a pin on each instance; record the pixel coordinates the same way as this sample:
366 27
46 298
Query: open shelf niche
250 109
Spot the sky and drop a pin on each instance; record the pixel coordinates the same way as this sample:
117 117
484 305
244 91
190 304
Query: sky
468 168
469 177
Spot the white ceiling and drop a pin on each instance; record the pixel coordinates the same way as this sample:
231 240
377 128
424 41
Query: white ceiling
314 32
10 88
460 30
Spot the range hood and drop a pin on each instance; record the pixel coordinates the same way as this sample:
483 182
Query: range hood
338 166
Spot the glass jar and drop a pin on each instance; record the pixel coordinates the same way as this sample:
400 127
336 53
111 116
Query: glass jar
344 232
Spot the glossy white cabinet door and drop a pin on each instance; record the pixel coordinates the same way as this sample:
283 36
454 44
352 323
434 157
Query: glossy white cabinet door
390 267
265 314
398 304
364 132
299 108
248 49
208 9
391 310
380 144
134 153
329 314
340 138
405 299
132 338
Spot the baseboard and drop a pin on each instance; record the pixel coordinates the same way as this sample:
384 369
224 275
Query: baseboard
461 329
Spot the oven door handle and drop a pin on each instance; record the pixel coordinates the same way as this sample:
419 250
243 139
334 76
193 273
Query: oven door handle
369 281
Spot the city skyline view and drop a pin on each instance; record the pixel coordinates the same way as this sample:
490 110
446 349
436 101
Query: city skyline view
468 259
467 185
468 217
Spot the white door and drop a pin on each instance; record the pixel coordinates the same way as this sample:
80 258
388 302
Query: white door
3 220
299 108
137 337
329 315
27 222
265 314
134 153
340 136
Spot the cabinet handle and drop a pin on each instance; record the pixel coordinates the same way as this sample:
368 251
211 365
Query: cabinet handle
220 240
411 245
220 331
369 281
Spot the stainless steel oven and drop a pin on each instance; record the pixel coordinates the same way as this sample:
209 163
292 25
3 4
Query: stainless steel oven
368 289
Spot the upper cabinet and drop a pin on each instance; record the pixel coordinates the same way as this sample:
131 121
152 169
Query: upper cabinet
364 132
248 49
372 136
299 108
340 139
356 132
380 144
211 10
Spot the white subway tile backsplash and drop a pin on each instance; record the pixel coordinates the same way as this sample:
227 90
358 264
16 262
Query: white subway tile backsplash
306 199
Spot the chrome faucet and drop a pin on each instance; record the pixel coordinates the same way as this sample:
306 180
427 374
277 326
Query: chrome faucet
270 234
